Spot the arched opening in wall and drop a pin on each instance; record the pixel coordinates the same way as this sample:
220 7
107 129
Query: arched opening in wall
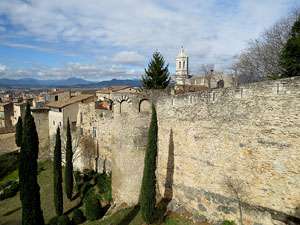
145 106
124 107
220 84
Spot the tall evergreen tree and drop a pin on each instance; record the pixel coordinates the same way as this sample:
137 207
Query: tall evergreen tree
29 188
148 189
18 134
57 176
290 55
157 75
69 164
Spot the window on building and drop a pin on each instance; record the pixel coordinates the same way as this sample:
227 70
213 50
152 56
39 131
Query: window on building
59 109
94 132
60 124
80 117
56 98
179 65
53 122
183 65
81 131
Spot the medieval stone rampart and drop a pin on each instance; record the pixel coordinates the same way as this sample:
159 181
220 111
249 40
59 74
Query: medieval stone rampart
214 148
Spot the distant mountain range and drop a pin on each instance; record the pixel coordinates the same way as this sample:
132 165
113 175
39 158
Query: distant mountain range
70 82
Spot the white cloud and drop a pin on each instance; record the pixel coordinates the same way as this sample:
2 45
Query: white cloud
88 71
129 58
128 32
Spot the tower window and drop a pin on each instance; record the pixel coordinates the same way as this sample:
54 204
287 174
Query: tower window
179 65
183 65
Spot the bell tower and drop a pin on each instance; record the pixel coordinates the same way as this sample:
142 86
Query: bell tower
181 74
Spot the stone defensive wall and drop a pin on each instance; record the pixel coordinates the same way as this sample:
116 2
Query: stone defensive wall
220 152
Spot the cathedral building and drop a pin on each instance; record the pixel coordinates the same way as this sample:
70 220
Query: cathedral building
190 83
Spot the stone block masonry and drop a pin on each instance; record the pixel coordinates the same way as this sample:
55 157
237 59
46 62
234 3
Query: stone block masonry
239 139
216 149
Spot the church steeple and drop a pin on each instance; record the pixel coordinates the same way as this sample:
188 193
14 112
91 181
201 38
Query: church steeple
181 74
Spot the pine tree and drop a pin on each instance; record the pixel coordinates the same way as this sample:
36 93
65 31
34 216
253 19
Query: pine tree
57 176
69 164
148 189
290 55
29 188
18 135
157 75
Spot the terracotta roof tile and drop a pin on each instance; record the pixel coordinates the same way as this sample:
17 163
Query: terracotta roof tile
66 102
56 92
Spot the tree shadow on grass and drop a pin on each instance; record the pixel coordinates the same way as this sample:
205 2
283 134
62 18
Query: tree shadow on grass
75 196
73 208
12 211
130 216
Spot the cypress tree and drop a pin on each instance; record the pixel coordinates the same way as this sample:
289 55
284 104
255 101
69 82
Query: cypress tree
157 75
57 176
18 135
29 188
69 164
148 189
290 55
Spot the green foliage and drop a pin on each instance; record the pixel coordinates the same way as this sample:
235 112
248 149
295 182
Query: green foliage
227 222
53 220
10 191
69 164
148 189
157 75
84 189
8 163
63 220
104 185
290 55
77 176
29 188
93 210
78 217
89 194
18 134
57 176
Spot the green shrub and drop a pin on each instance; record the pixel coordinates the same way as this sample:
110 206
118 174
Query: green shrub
89 194
104 186
227 222
78 217
77 176
53 220
78 186
88 175
8 163
93 210
63 220
84 189
10 191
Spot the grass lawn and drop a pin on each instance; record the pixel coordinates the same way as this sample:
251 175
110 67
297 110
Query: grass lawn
11 212
10 209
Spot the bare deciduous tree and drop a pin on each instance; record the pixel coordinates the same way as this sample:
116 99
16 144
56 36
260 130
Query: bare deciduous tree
77 140
260 60
237 189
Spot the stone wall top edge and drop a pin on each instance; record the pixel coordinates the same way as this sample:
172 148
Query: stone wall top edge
263 88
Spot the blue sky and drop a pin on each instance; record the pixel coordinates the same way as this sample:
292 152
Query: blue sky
101 40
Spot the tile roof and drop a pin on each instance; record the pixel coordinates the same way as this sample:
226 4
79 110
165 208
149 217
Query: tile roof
109 89
56 92
66 102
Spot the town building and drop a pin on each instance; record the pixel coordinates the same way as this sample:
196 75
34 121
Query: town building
6 112
184 82
61 111
19 110
59 95
106 93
